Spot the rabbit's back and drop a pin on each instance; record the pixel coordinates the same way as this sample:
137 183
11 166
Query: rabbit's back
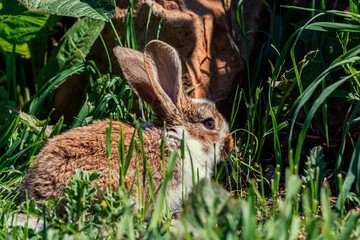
84 148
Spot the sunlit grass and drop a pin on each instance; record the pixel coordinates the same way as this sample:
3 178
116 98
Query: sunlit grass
258 203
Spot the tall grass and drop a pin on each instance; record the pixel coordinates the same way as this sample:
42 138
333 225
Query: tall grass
265 197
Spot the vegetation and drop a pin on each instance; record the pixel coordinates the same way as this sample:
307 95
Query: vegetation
280 183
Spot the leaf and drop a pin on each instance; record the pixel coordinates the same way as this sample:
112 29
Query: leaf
99 88
52 84
22 49
79 194
160 201
101 84
205 204
5 107
354 6
19 25
98 9
10 129
84 112
333 27
315 159
73 48
348 54
310 67
307 94
351 224
57 127
321 98
34 124
351 176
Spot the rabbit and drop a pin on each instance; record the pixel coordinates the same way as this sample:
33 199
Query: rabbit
155 76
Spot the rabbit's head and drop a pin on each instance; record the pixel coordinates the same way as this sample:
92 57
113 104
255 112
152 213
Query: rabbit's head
155 76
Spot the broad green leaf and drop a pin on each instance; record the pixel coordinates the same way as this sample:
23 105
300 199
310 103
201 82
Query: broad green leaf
73 48
22 49
328 215
98 9
33 208
19 25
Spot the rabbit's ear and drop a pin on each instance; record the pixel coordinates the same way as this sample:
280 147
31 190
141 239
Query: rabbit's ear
158 93
163 66
132 66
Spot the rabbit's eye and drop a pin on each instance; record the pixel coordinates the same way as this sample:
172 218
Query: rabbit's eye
209 123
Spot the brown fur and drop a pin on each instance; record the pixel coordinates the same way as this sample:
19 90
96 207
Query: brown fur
84 148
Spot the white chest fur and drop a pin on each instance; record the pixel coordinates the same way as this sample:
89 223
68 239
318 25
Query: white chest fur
196 165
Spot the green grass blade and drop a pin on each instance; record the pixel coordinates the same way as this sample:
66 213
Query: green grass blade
277 147
57 128
354 6
82 115
148 22
349 226
333 27
107 53
108 151
10 130
303 98
115 33
326 92
8 162
146 164
8 153
160 202
53 83
346 129
159 27
121 155
349 54
235 108
352 174
129 153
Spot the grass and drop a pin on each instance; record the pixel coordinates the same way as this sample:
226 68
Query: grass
279 183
